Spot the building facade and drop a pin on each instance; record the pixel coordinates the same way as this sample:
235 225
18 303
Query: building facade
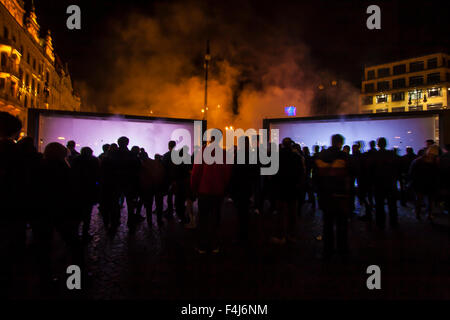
416 84
31 74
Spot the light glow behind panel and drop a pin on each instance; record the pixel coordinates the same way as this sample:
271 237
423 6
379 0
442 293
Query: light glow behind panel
400 132
153 135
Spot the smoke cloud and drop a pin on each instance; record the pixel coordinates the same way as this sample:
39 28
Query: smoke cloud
257 68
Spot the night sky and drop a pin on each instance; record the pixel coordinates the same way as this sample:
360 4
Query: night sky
334 31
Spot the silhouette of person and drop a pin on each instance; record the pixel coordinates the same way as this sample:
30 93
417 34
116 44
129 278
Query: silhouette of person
357 161
182 181
386 171
72 153
346 149
334 188
243 177
424 174
105 149
152 184
85 175
288 182
209 182
12 227
308 176
127 172
170 176
109 189
444 174
56 210
405 164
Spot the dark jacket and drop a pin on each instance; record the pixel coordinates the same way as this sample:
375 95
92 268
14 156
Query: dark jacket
333 173
290 177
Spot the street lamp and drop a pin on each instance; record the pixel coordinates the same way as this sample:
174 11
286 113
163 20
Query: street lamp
417 98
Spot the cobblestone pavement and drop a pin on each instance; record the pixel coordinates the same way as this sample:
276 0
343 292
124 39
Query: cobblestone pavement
161 263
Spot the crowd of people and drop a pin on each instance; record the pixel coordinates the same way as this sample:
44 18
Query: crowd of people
58 189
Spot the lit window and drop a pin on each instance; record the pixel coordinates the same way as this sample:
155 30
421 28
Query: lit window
416 94
382 98
434 92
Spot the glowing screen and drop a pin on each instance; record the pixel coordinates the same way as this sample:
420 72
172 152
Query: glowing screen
400 132
152 135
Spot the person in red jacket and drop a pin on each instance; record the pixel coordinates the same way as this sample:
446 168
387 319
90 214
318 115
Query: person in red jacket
209 182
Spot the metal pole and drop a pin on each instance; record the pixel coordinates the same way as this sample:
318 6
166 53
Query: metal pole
207 58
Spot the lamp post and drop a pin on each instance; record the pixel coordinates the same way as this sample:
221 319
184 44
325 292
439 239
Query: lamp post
417 98
206 65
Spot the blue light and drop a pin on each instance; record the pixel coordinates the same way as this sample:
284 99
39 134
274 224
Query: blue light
290 111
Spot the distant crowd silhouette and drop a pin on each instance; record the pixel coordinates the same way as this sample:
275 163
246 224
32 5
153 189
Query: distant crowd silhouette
58 189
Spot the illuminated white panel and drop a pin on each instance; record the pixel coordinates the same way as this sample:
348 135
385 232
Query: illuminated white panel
400 132
152 135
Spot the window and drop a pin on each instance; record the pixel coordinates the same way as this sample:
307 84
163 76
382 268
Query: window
34 64
28 58
416 94
13 88
398 96
27 79
416 66
416 108
3 58
415 81
435 106
369 87
432 63
32 84
367 100
5 32
434 92
382 110
399 69
370 74
448 76
398 109
382 98
383 72
383 85
433 78
2 83
398 83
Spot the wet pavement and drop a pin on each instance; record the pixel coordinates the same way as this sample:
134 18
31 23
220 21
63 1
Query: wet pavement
155 262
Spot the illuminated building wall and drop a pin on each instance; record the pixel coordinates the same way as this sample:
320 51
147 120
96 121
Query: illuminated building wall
31 74
415 84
